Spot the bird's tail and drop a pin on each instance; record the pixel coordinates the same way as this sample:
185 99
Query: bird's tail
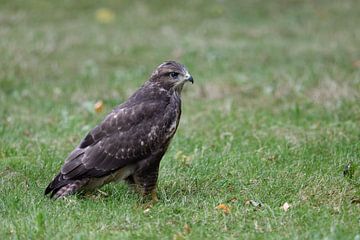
61 187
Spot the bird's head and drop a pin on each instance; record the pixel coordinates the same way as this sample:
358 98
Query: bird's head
171 74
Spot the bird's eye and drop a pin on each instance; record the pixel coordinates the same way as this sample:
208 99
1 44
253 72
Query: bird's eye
174 75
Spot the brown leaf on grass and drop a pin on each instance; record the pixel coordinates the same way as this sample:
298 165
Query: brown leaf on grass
99 106
286 206
186 229
224 208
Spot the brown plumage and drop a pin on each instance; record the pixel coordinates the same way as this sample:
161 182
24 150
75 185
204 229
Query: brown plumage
130 142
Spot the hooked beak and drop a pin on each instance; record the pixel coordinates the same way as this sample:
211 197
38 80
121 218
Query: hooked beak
189 78
179 84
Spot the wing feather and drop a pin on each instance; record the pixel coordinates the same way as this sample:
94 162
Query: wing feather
75 172
121 139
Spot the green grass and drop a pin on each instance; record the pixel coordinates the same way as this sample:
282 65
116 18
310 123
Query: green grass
273 116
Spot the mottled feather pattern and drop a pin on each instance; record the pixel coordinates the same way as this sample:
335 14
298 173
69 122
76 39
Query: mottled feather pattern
130 142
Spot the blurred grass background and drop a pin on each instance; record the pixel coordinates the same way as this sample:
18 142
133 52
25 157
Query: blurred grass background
273 116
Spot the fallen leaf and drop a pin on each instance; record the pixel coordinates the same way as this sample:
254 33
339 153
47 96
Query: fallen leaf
105 15
224 208
147 210
99 106
187 229
286 206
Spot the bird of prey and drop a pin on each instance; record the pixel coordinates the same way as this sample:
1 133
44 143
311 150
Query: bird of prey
130 142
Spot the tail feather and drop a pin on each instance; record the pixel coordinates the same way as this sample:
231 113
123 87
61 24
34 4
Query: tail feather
56 183
68 189
61 187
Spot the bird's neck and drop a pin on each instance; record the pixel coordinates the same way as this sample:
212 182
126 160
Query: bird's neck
151 91
178 89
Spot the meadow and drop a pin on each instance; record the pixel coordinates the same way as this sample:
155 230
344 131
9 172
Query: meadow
268 146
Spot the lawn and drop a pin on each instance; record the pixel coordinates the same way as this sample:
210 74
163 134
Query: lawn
268 128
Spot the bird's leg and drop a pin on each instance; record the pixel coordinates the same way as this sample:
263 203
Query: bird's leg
137 184
145 182
146 175
146 187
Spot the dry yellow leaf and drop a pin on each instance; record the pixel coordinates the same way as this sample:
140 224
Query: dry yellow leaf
224 208
99 106
105 15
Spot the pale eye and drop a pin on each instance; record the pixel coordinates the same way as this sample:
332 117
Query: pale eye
174 75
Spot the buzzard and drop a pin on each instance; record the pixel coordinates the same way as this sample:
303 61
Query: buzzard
130 142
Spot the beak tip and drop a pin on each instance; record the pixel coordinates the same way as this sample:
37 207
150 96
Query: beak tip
190 79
